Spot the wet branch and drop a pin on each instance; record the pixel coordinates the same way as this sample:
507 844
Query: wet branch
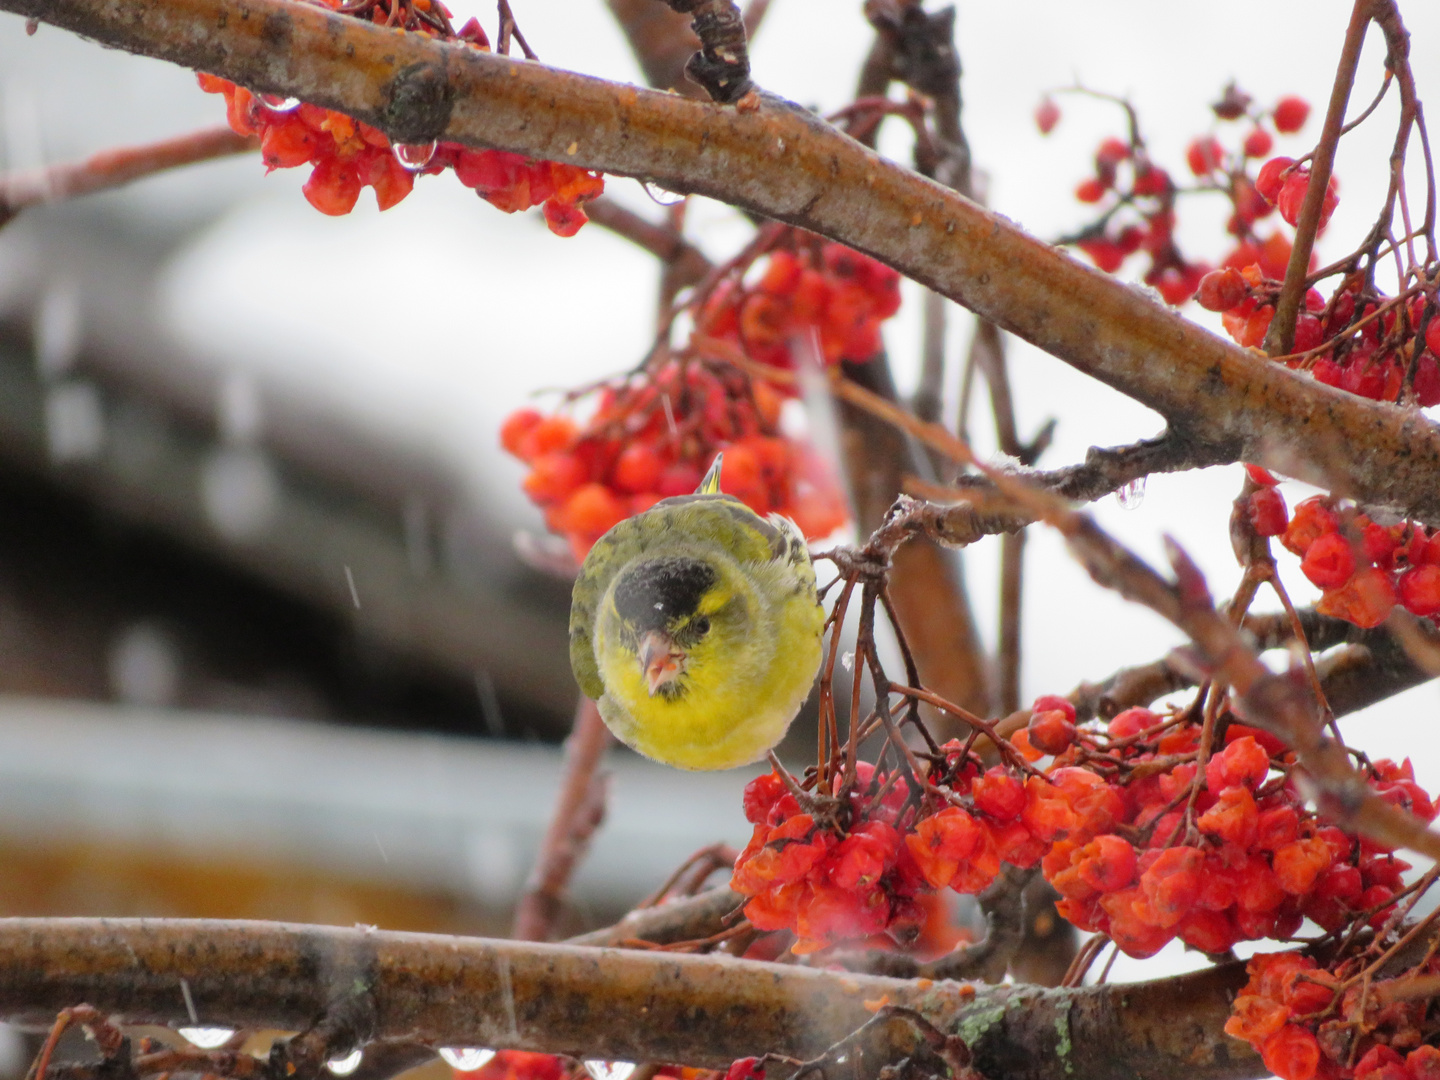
116 168
613 1004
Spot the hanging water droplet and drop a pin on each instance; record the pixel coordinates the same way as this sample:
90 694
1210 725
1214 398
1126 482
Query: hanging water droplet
847 661
415 156
610 1070
466 1058
660 195
206 1038
278 103
1131 495
344 1066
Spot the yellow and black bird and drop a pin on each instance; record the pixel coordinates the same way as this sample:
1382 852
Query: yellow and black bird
696 628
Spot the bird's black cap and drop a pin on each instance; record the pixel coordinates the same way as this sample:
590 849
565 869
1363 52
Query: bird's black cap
653 593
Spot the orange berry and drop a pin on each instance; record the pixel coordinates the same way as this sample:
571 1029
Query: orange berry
553 477
516 427
637 469
591 511
333 187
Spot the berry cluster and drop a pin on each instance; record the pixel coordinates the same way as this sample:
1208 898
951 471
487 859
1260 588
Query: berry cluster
1358 340
804 286
1213 852
654 436
348 155
1138 198
1362 568
1143 839
1307 1021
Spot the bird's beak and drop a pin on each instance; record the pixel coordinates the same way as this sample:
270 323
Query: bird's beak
661 659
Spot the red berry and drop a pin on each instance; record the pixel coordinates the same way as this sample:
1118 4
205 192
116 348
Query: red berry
334 187
591 511
1221 290
1329 561
516 427
1299 864
1244 762
1050 732
1204 155
1046 702
1132 722
1090 190
1365 600
748 1068
1419 590
1267 512
1291 112
1271 177
1258 143
1291 1053
637 469
1047 115
1106 254
998 795
1311 520
1112 152
553 477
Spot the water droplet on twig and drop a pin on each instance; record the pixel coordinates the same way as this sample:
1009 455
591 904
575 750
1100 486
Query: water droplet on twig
206 1038
610 1070
344 1066
466 1058
660 195
1131 495
415 156
278 102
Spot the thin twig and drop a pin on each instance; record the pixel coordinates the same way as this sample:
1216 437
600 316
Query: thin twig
578 812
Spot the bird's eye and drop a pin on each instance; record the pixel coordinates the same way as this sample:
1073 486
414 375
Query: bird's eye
701 625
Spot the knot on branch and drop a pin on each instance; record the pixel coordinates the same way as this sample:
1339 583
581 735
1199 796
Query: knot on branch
417 104
722 66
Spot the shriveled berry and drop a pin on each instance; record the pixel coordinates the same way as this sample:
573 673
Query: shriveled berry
1050 732
1221 290
1267 512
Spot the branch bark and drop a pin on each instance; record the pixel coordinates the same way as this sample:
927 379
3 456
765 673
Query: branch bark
612 1004
116 168
780 161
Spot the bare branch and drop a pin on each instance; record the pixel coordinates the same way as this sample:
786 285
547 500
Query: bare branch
116 168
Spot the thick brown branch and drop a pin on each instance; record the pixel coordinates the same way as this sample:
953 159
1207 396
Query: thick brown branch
781 161
614 1004
115 168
